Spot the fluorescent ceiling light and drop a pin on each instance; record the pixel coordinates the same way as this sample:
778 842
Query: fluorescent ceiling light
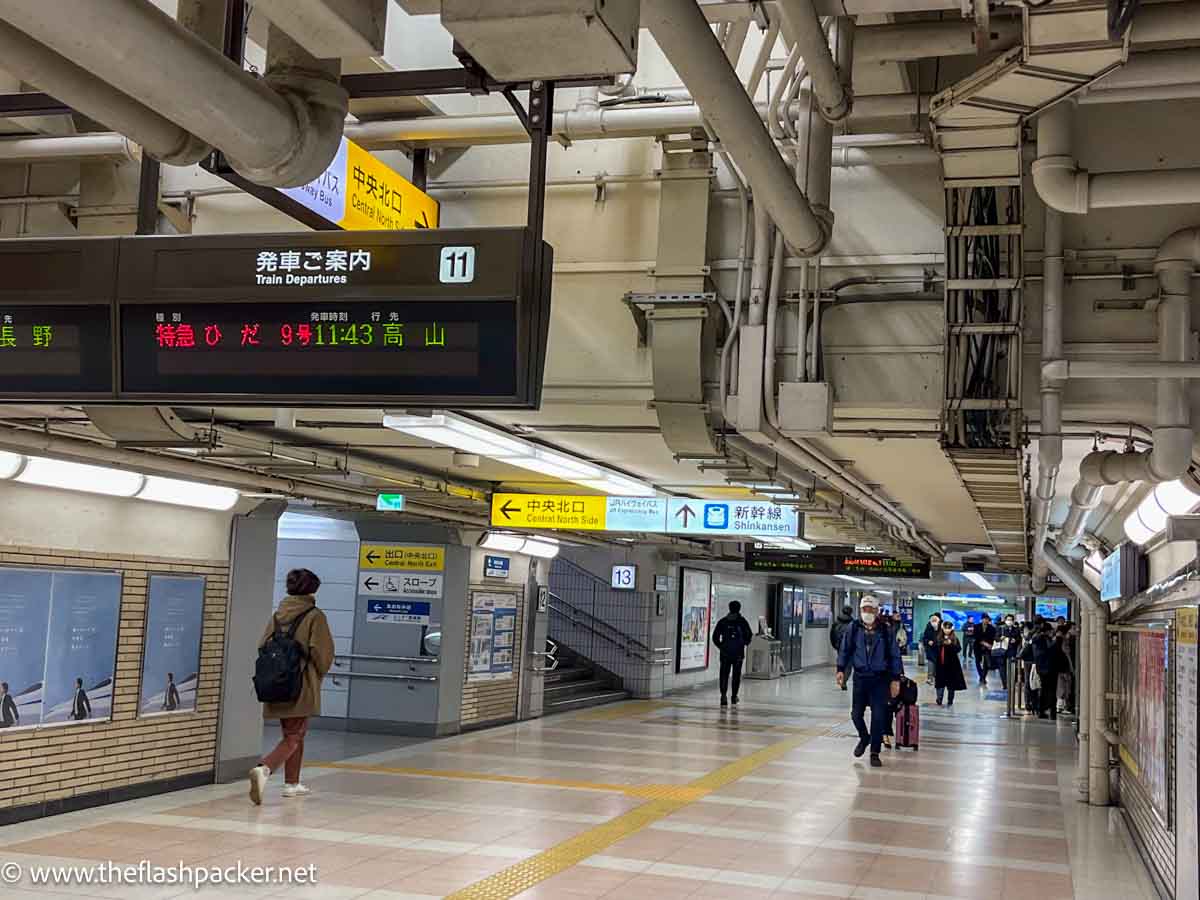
450 430
787 543
69 476
461 434
561 466
854 578
979 580
10 464
543 547
508 543
620 486
1172 498
1136 530
188 493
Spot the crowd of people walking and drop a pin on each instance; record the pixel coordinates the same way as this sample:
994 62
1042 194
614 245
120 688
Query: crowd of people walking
1037 659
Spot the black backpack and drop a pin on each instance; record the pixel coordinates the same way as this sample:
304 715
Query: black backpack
279 671
733 642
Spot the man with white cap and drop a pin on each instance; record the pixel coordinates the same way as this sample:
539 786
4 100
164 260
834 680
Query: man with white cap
869 652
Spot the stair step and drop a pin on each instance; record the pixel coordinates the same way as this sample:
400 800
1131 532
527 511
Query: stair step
575 688
583 702
565 674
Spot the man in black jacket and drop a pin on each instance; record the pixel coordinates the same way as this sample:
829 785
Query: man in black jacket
9 716
732 636
845 617
985 639
81 706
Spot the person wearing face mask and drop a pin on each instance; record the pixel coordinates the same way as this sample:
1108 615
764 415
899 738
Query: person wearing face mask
929 642
869 653
1008 645
949 664
985 639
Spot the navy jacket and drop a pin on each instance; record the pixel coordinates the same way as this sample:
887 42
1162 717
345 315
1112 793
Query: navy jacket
882 659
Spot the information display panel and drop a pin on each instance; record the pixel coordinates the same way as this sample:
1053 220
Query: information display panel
56 319
417 318
770 559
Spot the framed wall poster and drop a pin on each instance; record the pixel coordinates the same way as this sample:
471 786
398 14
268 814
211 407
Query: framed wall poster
171 654
24 618
493 636
81 646
695 620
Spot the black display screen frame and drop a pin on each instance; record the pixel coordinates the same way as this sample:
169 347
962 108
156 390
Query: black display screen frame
858 565
166 273
71 282
107 277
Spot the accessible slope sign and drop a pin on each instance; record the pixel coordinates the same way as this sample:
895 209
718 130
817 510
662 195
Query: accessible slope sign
652 515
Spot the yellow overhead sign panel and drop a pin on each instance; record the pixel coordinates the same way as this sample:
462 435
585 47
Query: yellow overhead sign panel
394 556
587 513
379 198
357 192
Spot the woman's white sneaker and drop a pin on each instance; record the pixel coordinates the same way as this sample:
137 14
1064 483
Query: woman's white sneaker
295 790
258 783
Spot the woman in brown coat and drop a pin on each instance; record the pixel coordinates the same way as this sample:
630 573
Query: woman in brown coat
314 636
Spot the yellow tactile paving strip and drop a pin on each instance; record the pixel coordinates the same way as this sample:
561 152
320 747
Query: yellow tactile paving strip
465 775
668 799
622 711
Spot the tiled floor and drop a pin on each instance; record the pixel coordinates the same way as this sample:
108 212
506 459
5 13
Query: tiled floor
663 800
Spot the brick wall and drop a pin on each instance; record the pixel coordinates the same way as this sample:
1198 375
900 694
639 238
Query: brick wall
493 702
50 766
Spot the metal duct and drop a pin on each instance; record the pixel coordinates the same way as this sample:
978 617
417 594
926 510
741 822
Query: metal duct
1050 444
1171 455
1065 187
282 130
685 36
1095 646
48 71
830 84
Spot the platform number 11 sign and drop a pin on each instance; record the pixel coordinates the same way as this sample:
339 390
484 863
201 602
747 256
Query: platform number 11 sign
458 265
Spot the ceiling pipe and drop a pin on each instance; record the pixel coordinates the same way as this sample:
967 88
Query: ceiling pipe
684 35
48 71
1050 443
1065 187
1095 653
1171 456
282 130
80 146
830 77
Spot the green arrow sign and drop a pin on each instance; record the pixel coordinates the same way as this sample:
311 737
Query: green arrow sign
389 502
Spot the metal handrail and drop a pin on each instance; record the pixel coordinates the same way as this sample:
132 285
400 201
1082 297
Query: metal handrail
646 655
428 660
624 637
548 654
382 677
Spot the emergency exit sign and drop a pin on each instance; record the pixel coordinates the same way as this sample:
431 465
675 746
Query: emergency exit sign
389 502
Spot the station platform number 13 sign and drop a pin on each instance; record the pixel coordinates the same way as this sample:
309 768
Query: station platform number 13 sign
458 265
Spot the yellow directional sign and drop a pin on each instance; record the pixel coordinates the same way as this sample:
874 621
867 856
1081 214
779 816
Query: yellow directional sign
394 556
587 513
359 193
377 197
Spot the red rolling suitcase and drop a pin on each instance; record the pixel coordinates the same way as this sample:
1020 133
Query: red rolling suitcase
908 726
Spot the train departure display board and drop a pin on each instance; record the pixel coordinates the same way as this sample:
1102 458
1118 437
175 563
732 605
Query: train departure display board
419 318
426 318
833 562
56 319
